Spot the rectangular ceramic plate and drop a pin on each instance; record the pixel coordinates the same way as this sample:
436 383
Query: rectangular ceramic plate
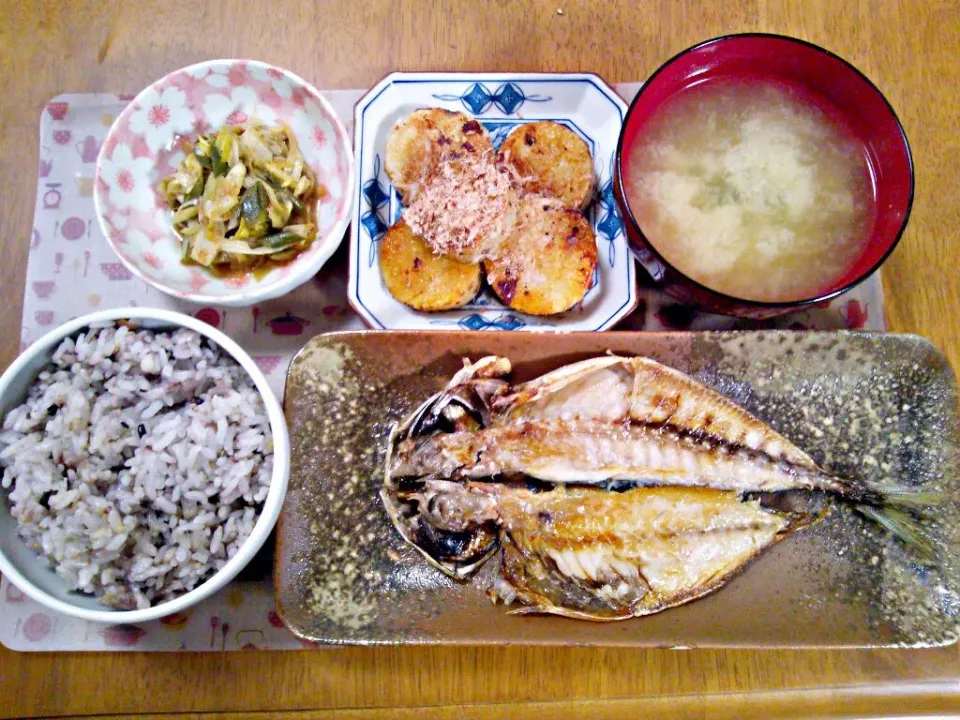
500 101
874 406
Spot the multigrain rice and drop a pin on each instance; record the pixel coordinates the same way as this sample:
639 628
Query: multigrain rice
138 464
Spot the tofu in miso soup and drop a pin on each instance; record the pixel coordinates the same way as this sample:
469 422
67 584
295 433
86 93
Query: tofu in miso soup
752 190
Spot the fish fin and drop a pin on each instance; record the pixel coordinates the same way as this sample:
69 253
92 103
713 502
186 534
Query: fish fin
904 527
567 613
529 610
553 382
490 366
906 497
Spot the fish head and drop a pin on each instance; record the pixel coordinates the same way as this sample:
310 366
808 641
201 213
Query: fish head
465 404
455 543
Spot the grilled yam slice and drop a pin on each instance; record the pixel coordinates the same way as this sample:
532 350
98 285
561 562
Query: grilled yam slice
416 144
552 160
547 264
420 279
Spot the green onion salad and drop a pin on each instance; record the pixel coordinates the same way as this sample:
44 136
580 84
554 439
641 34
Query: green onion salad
243 199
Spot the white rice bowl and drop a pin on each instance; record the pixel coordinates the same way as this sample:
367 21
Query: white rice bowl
142 466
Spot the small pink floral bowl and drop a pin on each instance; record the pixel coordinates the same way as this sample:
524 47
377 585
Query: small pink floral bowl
143 147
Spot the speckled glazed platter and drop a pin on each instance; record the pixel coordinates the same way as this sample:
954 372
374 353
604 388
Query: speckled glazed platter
874 406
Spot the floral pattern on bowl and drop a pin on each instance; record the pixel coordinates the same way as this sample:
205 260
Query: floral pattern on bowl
143 147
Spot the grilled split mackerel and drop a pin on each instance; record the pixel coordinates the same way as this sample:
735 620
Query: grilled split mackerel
613 488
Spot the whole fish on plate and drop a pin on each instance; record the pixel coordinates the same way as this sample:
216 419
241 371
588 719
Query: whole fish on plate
614 487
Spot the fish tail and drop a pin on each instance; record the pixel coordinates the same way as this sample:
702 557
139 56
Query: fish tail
900 510
903 526
906 497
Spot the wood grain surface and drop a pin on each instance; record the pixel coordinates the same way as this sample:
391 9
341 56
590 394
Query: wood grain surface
911 50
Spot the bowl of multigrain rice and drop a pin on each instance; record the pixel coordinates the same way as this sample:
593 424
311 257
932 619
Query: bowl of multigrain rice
143 463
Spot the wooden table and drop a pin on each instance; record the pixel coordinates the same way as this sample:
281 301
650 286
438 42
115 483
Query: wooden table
910 49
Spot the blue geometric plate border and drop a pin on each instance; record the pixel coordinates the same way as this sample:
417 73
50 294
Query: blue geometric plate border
500 102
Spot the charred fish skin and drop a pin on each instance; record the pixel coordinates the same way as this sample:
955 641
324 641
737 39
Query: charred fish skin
644 391
585 452
615 418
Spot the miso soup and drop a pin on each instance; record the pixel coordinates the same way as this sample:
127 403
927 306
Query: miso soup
752 189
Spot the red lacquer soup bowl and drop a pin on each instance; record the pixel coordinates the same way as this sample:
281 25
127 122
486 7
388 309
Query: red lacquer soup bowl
837 86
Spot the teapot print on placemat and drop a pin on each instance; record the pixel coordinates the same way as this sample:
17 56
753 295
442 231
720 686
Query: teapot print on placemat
88 149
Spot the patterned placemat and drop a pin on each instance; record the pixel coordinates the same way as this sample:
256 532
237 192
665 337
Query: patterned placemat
72 271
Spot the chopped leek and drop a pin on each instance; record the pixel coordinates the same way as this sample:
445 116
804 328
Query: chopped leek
242 197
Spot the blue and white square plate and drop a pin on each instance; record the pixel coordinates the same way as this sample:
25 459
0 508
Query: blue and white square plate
500 101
